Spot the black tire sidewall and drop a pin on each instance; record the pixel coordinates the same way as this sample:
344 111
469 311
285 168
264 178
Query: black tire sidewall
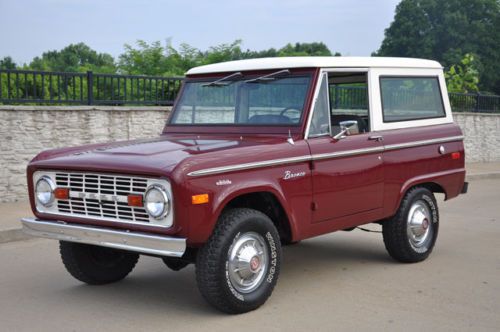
271 239
79 261
427 197
396 238
212 261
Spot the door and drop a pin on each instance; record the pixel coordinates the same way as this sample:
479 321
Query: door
347 175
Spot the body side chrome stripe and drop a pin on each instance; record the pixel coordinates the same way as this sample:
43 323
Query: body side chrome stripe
274 162
347 153
422 143
321 156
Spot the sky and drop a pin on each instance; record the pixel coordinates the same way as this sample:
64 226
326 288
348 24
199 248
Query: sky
30 27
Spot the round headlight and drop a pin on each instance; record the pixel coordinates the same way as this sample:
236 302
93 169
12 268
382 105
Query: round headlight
157 202
44 191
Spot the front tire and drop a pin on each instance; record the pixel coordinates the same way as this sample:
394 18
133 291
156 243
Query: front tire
410 235
96 265
237 269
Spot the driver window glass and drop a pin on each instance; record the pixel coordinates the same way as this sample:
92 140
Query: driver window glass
349 101
320 122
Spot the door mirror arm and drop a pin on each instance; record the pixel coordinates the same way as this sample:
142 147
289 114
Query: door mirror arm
345 126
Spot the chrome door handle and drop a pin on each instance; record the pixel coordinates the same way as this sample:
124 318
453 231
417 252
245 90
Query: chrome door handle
378 138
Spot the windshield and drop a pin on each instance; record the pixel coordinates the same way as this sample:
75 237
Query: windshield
270 101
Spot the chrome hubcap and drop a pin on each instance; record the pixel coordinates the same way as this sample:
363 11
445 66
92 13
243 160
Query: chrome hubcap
248 262
419 226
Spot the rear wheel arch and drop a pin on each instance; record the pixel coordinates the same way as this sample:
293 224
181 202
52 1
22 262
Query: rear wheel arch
432 186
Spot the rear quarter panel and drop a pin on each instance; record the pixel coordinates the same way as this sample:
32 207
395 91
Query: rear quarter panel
407 167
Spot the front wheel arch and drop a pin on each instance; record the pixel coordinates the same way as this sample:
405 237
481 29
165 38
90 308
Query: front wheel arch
260 199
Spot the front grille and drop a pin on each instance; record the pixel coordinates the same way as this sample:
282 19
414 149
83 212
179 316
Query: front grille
110 196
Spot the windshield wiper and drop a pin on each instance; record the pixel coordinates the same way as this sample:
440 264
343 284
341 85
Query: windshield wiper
269 77
220 81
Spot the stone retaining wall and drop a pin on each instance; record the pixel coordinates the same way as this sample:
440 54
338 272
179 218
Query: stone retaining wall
27 130
482 136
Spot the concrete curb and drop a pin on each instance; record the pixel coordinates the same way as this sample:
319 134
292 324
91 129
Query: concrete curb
11 235
482 176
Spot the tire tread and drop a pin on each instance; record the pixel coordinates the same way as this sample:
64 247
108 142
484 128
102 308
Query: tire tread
69 254
207 270
394 231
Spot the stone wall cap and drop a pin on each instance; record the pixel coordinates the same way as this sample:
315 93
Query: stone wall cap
82 108
475 114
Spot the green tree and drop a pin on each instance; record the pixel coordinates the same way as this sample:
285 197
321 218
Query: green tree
7 63
297 49
463 77
74 58
146 59
445 31
223 52
305 49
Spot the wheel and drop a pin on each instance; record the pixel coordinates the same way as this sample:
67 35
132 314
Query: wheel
237 269
96 265
174 263
410 235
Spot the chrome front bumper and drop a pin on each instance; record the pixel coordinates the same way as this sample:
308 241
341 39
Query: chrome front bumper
106 237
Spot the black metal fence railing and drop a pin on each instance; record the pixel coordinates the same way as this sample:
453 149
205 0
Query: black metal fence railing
42 87
469 102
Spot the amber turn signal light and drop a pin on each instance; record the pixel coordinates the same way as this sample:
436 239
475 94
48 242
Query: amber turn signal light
199 199
61 193
135 200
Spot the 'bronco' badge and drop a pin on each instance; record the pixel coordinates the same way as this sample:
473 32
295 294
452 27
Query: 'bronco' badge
290 175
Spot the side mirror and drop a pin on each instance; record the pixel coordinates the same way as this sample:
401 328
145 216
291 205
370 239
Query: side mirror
347 128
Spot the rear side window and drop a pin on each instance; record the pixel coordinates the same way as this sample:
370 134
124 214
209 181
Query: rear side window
411 98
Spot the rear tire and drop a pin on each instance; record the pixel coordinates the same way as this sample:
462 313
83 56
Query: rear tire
174 263
96 265
410 235
238 267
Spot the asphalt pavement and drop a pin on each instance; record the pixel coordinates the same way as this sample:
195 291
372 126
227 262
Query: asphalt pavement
343 281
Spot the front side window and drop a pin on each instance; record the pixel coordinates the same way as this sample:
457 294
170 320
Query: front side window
246 101
410 98
349 101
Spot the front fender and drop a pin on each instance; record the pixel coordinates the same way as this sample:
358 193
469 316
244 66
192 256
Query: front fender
293 195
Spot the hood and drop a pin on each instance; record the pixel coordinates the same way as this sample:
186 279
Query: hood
158 156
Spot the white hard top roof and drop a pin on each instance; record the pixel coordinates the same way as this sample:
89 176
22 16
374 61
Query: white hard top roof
314 62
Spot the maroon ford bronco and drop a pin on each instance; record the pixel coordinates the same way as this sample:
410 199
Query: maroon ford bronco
256 154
